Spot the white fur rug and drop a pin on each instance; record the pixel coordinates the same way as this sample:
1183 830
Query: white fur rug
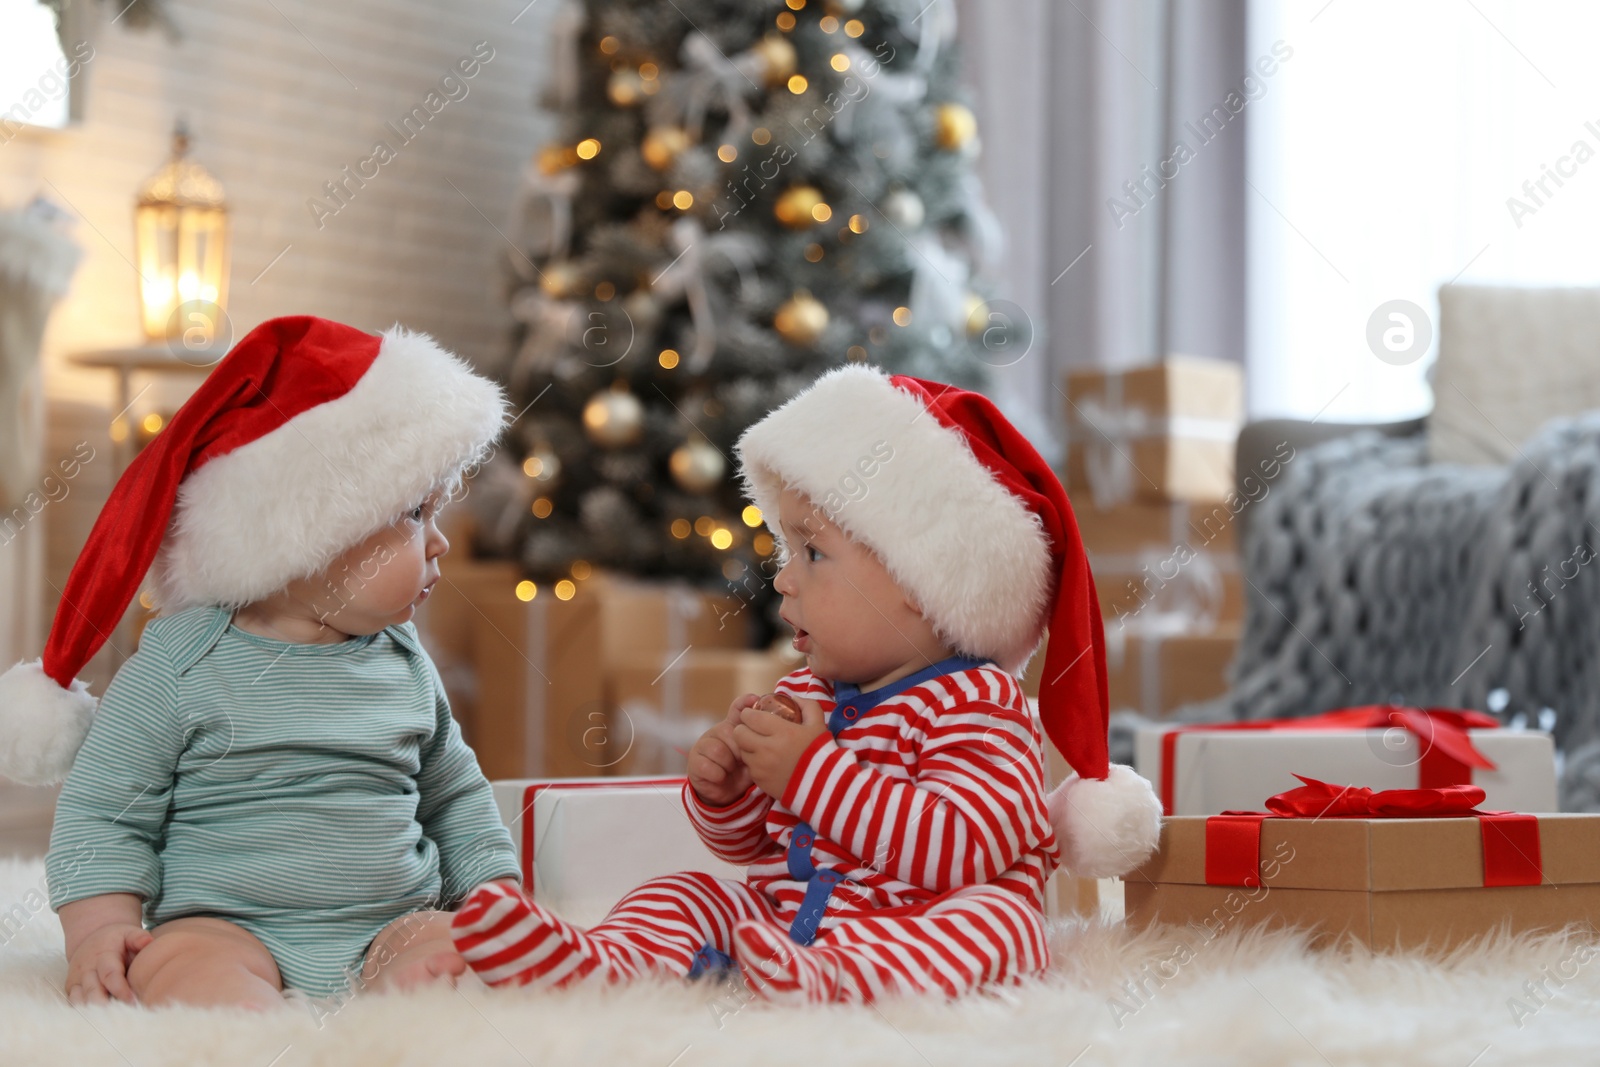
1234 1000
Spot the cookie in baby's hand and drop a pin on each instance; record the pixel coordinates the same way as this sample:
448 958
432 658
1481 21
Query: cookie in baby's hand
780 704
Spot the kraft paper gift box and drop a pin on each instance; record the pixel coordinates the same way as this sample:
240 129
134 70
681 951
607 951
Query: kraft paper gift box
1386 883
1141 526
582 843
659 706
1203 589
1154 671
531 699
1161 432
1232 770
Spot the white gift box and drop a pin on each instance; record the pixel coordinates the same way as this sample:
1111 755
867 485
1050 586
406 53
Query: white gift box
582 843
1237 770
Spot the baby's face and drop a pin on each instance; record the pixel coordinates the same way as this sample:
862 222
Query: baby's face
381 581
852 622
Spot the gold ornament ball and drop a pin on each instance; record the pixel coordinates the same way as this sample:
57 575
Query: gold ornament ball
697 467
662 145
543 465
973 314
559 281
801 319
625 87
954 126
613 418
796 204
778 59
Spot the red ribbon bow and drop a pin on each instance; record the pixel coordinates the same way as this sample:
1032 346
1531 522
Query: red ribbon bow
1447 752
1321 800
1511 854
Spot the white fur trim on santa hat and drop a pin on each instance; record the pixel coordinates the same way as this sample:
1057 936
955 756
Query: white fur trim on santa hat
1105 827
35 253
42 725
974 558
287 504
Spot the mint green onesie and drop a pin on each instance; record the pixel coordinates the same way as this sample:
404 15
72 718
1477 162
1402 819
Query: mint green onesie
309 793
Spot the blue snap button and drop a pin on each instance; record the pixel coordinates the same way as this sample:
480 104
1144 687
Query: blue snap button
851 713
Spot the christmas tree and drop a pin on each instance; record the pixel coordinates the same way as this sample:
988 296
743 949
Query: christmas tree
745 193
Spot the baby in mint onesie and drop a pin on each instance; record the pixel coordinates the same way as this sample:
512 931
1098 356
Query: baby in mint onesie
272 794
310 792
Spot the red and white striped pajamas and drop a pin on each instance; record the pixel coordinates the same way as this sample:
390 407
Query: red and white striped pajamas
930 803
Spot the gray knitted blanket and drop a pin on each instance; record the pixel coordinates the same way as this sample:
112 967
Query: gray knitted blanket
1375 576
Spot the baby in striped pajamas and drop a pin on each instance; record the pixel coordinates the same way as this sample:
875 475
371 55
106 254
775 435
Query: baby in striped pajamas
898 838
273 795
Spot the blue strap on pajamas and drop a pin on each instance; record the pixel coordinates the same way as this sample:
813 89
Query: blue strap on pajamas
850 706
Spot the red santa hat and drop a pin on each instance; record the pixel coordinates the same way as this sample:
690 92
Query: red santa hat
305 439
974 525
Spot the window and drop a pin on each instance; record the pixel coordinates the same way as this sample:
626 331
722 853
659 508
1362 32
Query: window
33 71
1401 147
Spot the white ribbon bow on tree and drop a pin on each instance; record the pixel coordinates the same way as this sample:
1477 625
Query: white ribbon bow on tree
710 76
549 234
685 276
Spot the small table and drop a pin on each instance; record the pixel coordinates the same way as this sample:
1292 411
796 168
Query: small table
143 359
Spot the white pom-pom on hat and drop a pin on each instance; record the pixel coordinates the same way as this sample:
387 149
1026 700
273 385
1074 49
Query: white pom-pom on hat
1105 826
42 725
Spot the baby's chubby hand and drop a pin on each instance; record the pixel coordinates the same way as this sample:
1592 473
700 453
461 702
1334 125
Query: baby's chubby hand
98 969
717 774
771 746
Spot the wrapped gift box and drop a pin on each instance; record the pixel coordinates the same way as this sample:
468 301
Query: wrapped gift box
528 681
660 706
1155 672
584 842
1203 589
1233 770
1162 432
1140 526
1387 883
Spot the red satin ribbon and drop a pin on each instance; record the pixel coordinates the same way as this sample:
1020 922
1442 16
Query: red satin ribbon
1448 754
1511 853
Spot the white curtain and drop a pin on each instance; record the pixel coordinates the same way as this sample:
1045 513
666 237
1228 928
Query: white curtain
1077 98
1390 156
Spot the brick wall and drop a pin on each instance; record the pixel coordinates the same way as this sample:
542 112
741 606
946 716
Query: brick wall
280 96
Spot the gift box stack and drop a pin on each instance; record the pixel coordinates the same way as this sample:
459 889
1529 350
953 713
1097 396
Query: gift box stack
601 676
1410 828
1150 471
